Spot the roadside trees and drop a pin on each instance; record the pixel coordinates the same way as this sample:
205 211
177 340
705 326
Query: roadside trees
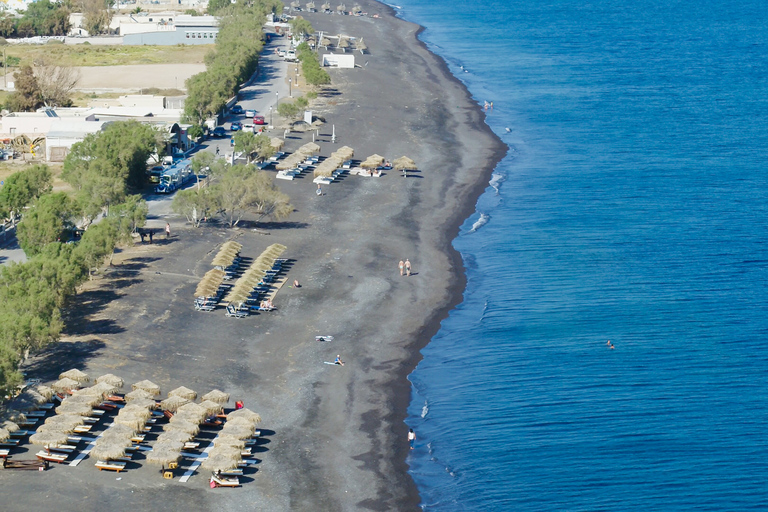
55 82
27 95
242 190
47 221
24 187
264 147
245 142
300 26
195 204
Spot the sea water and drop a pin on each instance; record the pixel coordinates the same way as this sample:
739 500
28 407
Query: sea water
631 208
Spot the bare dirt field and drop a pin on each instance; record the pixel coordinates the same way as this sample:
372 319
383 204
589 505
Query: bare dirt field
137 77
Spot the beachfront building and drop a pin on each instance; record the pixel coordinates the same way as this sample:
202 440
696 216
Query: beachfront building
182 29
63 127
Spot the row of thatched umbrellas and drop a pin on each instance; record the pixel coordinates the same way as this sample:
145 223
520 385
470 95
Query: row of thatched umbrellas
227 253
244 286
298 156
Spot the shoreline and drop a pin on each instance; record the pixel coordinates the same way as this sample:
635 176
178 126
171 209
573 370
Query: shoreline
458 279
336 436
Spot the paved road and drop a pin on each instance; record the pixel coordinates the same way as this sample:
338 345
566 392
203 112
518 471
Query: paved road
269 86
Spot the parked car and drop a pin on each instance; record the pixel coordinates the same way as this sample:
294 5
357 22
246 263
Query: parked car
250 113
238 110
219 131
248 128
236 126
258 120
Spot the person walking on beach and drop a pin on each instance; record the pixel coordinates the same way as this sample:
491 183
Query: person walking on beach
167 230
402 267
411 438
319 191
407 267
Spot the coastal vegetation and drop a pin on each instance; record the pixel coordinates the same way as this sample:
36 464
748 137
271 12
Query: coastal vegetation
233 60
232 192
310 67
105 55
103 169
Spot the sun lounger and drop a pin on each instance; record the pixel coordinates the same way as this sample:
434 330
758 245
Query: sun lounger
283 175
46 406
31 465
223 481
30 422
138 438
4 453
236 313
52 457
62 448
232 473
189 445
116 398
20 433
105 407
36 414
74 439
111 465
10 443
82 429
90 421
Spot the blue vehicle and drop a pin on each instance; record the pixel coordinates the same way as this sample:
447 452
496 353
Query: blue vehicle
219 131
236 126
175 177
237 109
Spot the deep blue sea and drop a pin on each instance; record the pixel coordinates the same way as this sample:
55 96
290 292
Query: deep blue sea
632 207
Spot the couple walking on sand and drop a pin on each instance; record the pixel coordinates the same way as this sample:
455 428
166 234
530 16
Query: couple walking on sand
405 267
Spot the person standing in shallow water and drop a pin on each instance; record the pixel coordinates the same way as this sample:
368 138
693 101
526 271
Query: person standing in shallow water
411 437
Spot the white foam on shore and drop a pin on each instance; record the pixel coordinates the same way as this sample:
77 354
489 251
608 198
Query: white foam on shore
425 410
496 181
482 221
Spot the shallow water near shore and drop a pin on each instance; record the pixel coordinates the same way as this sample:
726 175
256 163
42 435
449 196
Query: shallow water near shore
631 208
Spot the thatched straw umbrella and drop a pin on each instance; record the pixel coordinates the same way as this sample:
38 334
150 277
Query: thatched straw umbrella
232 244
89 400
193 409
99 389
15 416
309 148
74 408
168 445
4 434
75 374
133 421
360 45
147 386
237 432
33 396
245 413
135 410
404 163
227 451
326 6
229 441
163 457
175 436
64 423
184 426
221 462
108 450
356 9
183 392
310 6
295 4
211 407
345 152
47 439
137 394
325 42
65 384
172 403
119 431
341 7
276 143
372 162
223 260
111 379
144 403
10 426
240 421
189 416
217 396
343 43
46 391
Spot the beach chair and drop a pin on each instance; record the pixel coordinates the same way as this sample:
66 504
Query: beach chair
20 433
36 414
62 448
139 438
111 465
236 313
191 445
82 429
52 457
224 481
4 453
46 406
10 443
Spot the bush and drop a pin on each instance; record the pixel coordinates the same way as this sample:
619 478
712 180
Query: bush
55 41
312 95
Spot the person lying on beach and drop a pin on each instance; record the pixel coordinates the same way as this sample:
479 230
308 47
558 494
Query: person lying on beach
296 283
338 360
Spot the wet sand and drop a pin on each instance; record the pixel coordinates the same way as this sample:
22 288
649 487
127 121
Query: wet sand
334 436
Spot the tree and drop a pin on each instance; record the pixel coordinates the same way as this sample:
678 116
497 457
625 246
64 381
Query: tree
129 216
106 165
48 18
55 82
97 14
195 131
195 204
300 26
48 221
24 187
97 243
288 110
242 190
264 147
27 96
245 142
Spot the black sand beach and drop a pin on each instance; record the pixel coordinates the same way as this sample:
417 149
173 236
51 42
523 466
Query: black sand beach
334 436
